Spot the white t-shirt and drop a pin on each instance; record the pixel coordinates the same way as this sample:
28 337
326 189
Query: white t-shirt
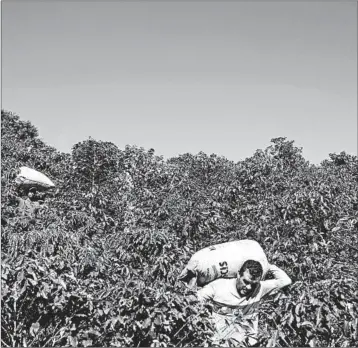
234 316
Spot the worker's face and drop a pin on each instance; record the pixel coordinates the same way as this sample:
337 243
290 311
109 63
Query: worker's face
245 284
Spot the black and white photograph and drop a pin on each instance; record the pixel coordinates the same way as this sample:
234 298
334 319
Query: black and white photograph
179 173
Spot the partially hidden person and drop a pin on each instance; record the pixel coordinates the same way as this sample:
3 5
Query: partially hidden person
236 302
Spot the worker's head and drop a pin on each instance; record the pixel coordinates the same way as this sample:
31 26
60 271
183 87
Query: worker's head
248 277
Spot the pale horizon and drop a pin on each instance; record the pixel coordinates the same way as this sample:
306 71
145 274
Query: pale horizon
217 77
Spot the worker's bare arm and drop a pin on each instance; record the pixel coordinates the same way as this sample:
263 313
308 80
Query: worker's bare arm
279 281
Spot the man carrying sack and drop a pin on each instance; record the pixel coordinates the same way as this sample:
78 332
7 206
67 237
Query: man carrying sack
236 302
231 276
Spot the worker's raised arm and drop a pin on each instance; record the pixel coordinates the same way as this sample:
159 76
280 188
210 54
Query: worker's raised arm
281 279
206 293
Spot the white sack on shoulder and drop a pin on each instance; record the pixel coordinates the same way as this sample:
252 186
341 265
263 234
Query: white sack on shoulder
222 261
28 176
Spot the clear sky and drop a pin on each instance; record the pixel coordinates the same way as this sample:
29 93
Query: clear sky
219 77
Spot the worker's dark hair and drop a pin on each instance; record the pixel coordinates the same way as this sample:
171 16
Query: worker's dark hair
254 268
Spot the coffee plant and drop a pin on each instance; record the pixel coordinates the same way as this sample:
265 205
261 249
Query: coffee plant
95 261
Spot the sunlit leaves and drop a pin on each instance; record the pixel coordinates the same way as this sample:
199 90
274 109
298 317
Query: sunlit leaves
97 264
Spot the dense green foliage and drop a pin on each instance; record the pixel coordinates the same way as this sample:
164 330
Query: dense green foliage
95 264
